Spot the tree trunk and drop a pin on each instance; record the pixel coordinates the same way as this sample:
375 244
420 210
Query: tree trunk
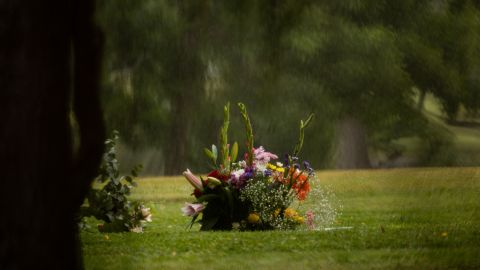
184 87
176 148
42 184
352 149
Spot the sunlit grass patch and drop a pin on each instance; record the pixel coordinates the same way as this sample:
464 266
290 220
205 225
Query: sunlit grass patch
403 218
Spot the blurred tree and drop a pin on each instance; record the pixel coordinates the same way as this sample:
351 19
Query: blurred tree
134 97
369 55
185 88
442 50
172 64
156 73
360 67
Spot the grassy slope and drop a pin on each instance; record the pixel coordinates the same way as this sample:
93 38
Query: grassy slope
402 218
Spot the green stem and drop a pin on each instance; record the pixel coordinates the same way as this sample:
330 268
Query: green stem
224 149
303 125
249 132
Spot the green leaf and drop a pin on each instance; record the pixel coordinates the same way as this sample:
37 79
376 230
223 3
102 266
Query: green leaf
207 198
207 224
214 152
116 181
303 125
224 137
234 152
194 218
136 170
209 154
229 195
249 132
309 119
110 216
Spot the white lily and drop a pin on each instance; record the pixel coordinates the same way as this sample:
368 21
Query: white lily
191 209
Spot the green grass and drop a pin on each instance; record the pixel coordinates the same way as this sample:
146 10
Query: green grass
404 218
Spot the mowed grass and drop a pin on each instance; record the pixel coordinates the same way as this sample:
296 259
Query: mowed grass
426 218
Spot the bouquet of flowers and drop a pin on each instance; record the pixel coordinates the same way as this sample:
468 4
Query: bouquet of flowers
255 193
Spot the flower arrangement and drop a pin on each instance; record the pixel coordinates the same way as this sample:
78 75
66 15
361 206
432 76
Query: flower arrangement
254 193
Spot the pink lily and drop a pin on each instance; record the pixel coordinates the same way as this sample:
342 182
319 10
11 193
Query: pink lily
192 209
193 180
263 156
310 219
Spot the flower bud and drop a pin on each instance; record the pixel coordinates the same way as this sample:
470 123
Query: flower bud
193 180
213 182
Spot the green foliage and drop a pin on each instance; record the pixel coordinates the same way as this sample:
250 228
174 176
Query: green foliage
228 154
225 148
301 137
110 203
212 154
248 132
222 207
167 61
436 149
234 155
271 211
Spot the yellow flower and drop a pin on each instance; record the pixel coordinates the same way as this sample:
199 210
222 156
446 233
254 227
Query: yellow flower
290 213
282 170
253 218
298 219
271 166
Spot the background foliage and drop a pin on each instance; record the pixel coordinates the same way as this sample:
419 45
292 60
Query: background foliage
367 69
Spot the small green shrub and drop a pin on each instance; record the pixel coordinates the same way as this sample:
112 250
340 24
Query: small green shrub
110 203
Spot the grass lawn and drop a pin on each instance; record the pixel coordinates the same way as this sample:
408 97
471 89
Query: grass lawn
426 218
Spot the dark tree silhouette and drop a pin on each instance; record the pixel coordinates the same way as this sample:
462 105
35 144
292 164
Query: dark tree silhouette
49 67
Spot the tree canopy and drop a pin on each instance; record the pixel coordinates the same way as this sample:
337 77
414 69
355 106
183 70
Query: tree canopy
363 67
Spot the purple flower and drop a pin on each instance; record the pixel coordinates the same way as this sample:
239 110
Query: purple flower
286 160
248 174
306 164
239 178
238 183
308 167
192 209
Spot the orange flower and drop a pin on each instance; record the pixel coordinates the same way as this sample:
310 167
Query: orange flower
301 185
